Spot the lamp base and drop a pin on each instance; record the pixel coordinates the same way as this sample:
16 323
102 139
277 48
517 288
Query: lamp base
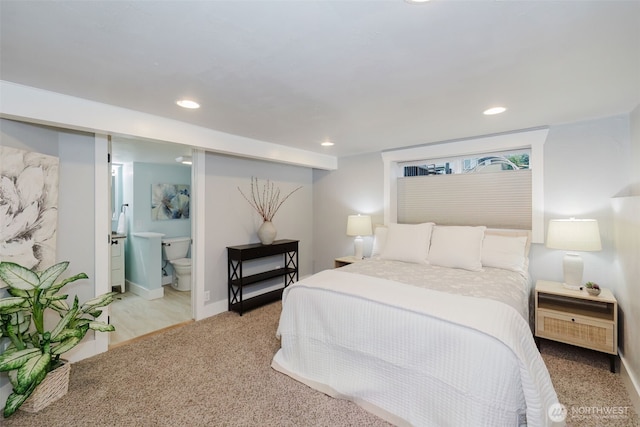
572 266
357 248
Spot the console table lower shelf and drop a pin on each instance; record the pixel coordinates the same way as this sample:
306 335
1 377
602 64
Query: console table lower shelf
255 302
237 281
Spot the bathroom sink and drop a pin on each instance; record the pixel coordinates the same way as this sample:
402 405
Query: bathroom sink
148 234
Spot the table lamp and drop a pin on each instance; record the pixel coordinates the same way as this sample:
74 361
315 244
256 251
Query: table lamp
573 235
358 226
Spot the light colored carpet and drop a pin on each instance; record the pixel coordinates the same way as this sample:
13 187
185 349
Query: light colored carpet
592 394
216 372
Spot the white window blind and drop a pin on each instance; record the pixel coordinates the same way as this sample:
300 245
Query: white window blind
497 200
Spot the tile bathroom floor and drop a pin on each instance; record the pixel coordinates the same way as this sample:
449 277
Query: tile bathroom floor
134 316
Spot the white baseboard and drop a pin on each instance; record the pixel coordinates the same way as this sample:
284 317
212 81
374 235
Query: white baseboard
212 309
631 384
145 293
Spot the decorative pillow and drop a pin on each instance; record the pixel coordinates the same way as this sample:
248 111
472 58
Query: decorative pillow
407 242
507 252
508 232
379 240
457 247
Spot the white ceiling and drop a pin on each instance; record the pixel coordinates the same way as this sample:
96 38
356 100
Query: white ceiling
367 75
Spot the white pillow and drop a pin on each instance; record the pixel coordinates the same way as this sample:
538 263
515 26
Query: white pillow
507 252
379 240
407 242
457 247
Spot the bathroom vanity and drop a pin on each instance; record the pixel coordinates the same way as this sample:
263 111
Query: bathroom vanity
238 255
117 261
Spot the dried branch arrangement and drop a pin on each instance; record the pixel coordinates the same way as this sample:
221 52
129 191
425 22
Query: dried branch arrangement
265 199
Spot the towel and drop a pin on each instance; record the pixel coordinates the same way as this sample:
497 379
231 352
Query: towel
122 224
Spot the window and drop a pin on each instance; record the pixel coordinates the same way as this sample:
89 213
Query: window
453 187
484 162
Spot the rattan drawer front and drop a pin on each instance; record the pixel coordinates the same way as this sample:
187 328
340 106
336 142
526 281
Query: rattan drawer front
576 330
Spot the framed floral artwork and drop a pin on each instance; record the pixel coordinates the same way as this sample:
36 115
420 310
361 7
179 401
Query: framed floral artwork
28 207
170 201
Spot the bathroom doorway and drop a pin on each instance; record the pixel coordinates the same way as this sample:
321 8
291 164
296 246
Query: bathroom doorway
147 301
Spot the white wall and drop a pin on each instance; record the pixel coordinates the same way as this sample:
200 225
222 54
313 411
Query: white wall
231 221
355 187
626 209
591 171
635 151
586 164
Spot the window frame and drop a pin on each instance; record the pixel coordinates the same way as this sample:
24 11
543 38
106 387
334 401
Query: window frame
531 139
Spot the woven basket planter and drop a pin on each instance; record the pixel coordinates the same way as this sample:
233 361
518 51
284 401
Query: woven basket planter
53 387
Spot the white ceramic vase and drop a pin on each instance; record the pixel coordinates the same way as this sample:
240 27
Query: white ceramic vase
267 233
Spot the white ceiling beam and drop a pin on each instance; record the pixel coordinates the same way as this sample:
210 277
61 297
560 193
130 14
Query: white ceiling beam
34 105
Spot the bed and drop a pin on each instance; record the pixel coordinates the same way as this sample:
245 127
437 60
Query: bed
431 331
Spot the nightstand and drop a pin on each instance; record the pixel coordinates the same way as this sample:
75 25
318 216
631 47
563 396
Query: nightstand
345 260
577 318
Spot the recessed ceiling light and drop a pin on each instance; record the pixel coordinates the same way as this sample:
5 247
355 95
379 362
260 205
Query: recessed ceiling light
187 103
327 144
417 1
494 110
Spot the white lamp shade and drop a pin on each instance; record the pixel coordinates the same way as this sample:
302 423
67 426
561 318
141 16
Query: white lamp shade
574 235
359 225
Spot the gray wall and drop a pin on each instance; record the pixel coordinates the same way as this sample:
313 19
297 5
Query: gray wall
76 220
76 210
231 221
76 217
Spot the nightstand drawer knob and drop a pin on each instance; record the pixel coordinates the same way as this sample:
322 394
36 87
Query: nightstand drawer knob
573 320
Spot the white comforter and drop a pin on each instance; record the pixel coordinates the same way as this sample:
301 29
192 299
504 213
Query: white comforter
413 356
506 286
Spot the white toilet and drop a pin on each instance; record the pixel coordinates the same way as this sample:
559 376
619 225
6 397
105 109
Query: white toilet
175 251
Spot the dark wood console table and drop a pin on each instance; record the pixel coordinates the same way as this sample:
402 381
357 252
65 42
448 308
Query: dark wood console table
237 255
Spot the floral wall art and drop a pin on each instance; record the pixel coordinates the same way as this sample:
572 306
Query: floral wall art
170 201
28 207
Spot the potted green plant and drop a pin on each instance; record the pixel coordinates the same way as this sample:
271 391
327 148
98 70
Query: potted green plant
34 350
593 289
